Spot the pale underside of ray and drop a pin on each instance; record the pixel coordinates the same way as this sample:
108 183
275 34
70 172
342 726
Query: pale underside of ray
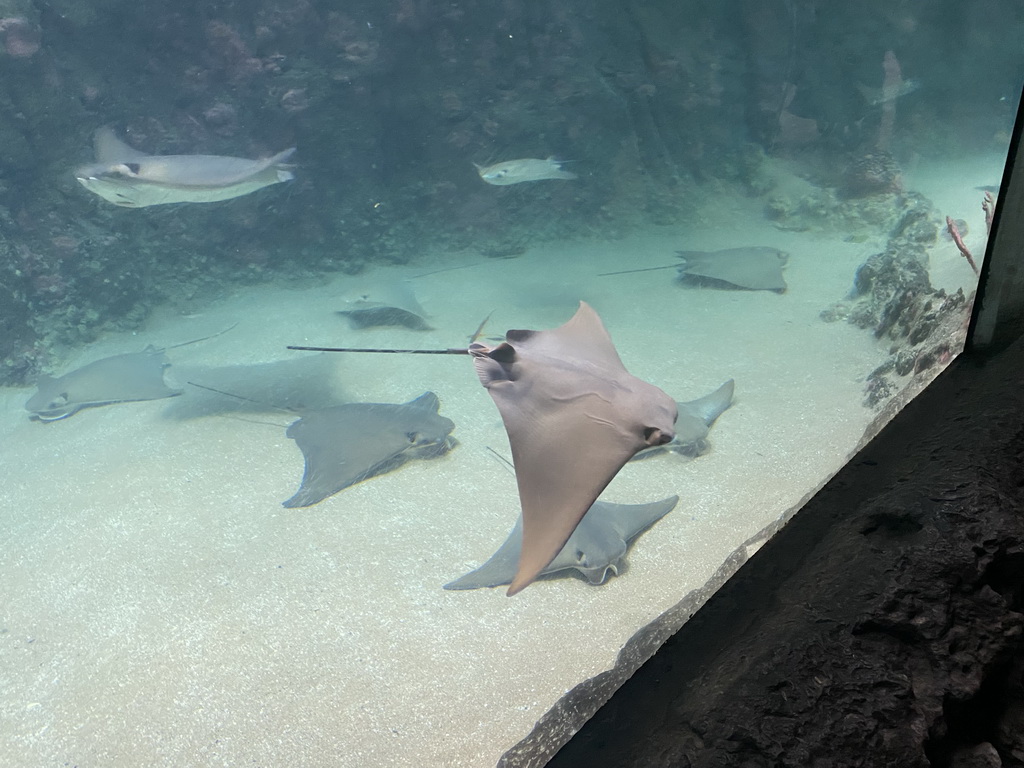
130 178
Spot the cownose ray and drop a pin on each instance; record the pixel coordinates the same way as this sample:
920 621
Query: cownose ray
292 385
117 379
345 444
696 417
756 268
596 548
132 179
128 377
383 302
574 416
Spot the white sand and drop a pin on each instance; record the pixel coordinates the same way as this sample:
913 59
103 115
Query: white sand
159 607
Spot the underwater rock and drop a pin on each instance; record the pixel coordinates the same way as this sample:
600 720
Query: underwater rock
596 549
872 173
880 627
21 38
892 295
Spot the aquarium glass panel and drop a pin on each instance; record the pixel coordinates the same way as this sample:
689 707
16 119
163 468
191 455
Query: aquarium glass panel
616 287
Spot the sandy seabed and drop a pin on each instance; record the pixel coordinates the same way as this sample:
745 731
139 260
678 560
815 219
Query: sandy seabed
159 607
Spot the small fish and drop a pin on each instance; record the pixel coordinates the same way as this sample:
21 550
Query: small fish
527 169
878 96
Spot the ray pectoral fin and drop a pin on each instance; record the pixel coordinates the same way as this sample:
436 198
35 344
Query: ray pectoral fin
560 473
499 567
110 149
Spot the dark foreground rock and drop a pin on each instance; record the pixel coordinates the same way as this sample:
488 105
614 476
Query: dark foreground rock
881 627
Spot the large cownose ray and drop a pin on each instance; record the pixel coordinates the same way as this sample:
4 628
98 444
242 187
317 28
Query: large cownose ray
574 416
596 548
120 378
756 268
132 179
345 444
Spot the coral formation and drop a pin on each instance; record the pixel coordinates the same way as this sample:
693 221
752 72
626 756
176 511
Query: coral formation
21 39
871 173
893 297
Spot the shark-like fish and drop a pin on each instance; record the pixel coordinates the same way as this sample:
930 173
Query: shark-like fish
132 179
518 171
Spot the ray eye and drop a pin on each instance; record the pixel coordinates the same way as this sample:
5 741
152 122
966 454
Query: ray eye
654 436
413 437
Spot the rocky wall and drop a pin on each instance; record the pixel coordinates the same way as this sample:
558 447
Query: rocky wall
390 104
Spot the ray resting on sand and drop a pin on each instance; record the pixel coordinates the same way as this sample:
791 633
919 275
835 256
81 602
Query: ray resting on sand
345 444
596 548
755 268
383 302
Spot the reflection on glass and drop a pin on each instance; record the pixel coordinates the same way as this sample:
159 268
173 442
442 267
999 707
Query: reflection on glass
773 213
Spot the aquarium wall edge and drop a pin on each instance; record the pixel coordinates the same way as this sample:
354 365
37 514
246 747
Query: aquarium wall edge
999 309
